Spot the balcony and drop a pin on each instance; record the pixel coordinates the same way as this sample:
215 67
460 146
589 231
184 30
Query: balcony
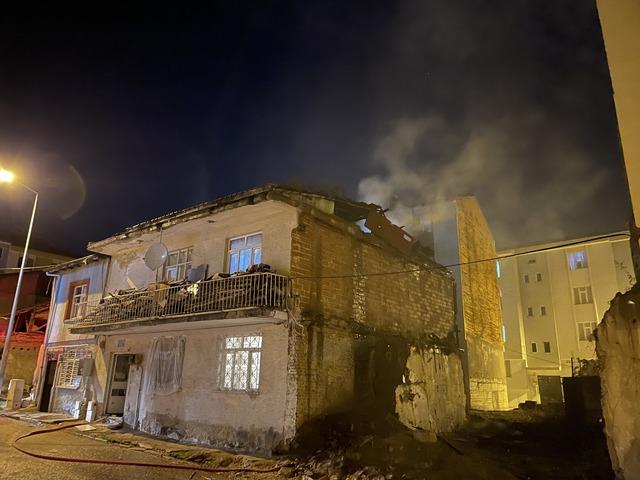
258 292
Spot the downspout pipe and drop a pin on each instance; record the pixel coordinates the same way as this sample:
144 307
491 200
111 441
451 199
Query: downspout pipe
50 321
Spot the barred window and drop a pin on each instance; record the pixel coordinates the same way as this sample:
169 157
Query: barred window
241 363
68 372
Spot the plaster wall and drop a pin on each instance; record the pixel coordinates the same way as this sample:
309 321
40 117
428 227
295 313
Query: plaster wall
201 412
209 238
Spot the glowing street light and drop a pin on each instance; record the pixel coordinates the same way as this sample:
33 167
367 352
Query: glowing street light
8 177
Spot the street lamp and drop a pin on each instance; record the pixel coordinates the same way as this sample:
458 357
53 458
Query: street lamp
8 177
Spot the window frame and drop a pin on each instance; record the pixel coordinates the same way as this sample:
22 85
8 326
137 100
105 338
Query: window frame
534 347
68 315
582 334
226 352
546 346
577 295
231 252
187 264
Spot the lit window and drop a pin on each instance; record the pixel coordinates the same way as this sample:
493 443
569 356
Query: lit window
578 260
534 347
241 360
178 265
543 310
582 295
529 311
538 277
77 301
498 269
585 330
526 278
547 347
245 252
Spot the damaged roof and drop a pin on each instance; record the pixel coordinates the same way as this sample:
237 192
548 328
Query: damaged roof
77 262
341 207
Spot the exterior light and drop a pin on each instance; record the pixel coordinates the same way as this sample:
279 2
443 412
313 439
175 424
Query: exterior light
6 176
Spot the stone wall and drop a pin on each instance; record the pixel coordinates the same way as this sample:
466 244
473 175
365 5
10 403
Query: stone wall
432 397
618 349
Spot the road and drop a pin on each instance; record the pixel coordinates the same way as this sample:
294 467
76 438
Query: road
18 466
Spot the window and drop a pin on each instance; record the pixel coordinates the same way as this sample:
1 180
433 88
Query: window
543 310
582 295
507 367
547 347
31 261
529 311
534 347
526 278
241 362
68 373
533 260
178 265
498 269
578 260
245 252
164 372
77 299
538 277
585 330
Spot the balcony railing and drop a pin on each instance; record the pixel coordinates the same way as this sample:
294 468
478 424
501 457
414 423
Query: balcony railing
258 290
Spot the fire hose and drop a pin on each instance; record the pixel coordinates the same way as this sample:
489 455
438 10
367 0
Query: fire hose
125 462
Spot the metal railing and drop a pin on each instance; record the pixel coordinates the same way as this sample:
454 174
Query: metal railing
240 292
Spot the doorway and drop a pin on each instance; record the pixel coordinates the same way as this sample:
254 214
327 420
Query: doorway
49 378
118 383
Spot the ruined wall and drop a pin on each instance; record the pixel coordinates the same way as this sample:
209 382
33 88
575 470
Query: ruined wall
618 349
432 397
481 308
22 363
412 305
201 412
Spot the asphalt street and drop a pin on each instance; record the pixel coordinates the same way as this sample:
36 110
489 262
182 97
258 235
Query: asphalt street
18 466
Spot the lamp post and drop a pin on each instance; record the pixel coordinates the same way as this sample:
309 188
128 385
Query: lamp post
8 177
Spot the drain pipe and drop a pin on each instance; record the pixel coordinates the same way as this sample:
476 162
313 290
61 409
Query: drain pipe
47 333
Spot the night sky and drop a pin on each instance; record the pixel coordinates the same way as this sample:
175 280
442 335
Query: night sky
120 116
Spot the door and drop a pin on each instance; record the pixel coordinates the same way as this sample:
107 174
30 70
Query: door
550 387
118 383
49 378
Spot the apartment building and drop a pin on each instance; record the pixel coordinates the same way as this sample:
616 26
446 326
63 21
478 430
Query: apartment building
552 300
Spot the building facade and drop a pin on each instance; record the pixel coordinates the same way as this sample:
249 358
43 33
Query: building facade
462 238
273 308
552 302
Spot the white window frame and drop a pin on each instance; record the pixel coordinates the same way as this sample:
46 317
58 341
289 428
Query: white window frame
582 295
181 267
585 330
78 299
255 252
238 351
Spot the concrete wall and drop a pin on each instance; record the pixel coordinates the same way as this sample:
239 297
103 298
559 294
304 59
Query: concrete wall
618 347
432 399
201 412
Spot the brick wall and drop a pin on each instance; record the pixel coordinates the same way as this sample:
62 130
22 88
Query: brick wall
481 308
412 305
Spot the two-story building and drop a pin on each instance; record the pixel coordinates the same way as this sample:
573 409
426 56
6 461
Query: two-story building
273 307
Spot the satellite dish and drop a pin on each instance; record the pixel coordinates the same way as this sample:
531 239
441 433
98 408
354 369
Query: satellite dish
156 255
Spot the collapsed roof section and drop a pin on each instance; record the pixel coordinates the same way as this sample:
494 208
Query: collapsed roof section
334 205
